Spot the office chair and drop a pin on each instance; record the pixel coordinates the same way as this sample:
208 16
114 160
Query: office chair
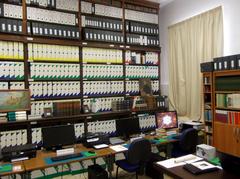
187 143
137 155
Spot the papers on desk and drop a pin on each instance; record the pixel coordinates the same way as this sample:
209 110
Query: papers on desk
118 148
174 162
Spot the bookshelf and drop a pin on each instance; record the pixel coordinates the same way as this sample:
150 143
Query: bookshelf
76 52
226 111
207 104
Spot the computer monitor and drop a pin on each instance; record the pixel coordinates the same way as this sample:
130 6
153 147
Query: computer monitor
166 120
127 126
55 137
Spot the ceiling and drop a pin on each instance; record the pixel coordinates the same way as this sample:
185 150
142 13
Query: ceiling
162 2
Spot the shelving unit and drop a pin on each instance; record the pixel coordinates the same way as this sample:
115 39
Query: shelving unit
207 103
226 111
53 42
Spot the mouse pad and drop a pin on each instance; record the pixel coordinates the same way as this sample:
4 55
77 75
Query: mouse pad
87 154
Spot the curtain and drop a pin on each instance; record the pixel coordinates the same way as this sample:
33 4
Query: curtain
191 42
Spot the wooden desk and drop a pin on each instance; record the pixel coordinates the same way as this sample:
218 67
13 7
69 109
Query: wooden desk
180 173
13 172
38 162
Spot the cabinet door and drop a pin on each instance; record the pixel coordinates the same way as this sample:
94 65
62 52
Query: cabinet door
227 138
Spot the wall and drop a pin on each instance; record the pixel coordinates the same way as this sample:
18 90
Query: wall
180 10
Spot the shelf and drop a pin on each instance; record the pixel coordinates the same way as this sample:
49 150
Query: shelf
101 63
228 108
227 92
47 79
103 79
102 96
11 80
207 92
207 84
55 98
130 64
209 122
132 79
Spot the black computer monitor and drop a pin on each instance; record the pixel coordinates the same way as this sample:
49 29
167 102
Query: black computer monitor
166 120
55 137
127 126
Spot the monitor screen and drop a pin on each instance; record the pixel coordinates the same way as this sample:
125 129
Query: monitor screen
127 126
166 120
58 136
14 100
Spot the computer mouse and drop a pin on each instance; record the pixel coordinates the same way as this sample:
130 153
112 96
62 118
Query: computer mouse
91 152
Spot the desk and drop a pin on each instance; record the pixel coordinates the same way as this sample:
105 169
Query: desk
180 173
39 162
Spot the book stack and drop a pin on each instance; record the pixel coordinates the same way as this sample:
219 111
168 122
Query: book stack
17 116
3 117
66 108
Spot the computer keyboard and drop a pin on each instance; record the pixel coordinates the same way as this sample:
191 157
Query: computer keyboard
65 157
196 171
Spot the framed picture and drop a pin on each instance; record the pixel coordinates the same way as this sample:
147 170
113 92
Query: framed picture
145 87
85 109
14 100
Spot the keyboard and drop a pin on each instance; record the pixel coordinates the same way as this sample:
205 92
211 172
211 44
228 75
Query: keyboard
196 171
66 157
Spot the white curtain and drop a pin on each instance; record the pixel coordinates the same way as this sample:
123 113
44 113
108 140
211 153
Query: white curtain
191 42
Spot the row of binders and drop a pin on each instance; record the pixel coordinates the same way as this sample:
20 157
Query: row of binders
108 127
12 26
70 5
230 117
11 11
101 88
102 23
51 16
17 116
108 11
102 35
147 122
12 85
102 10
142 28
102 71
13 138
59 53
132 87
54 89
54 71
101 104
228 100
149 58
53 30
99 55
11 50
135 72
37 107
135 39
141 16
11 70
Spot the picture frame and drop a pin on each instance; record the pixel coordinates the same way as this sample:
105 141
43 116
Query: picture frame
15 100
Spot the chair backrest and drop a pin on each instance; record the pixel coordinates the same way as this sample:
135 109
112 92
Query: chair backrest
139 151
189 140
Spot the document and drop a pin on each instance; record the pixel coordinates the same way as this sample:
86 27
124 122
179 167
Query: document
174 162
118 148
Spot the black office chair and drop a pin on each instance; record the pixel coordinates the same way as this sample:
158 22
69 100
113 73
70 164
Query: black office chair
137 155
187 143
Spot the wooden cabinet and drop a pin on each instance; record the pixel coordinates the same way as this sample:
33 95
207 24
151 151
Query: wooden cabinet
226 98
227 138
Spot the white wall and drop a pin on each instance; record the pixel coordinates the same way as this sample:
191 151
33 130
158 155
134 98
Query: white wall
180 10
